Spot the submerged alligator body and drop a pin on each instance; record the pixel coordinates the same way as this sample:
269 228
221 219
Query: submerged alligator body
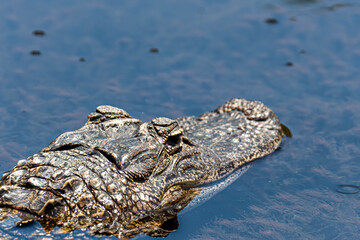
119 176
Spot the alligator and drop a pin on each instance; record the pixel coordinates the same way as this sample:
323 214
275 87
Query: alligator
120 177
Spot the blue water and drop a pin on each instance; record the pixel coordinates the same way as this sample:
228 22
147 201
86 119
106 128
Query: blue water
305 66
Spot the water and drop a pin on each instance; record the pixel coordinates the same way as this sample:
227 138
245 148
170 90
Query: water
301 58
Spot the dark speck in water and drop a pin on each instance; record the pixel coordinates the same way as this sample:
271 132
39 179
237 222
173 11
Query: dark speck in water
154 50
35 53
289 64
38 33
82 59
302 51
271 21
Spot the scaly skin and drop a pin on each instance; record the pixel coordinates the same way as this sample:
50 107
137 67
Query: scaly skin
119 176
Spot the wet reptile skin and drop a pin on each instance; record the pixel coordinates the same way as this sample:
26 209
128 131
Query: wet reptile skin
119 176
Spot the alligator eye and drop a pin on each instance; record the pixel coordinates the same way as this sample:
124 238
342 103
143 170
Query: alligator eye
173 140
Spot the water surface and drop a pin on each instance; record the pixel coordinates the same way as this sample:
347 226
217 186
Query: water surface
175 58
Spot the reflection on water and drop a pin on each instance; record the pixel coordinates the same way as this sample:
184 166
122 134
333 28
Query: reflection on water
95 53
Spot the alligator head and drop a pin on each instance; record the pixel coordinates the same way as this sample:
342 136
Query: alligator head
119 176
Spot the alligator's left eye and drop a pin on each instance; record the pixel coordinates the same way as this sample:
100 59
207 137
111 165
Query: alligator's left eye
174 140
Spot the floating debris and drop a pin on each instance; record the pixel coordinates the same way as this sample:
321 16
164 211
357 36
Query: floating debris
289 64
302 51
38 33
82 59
